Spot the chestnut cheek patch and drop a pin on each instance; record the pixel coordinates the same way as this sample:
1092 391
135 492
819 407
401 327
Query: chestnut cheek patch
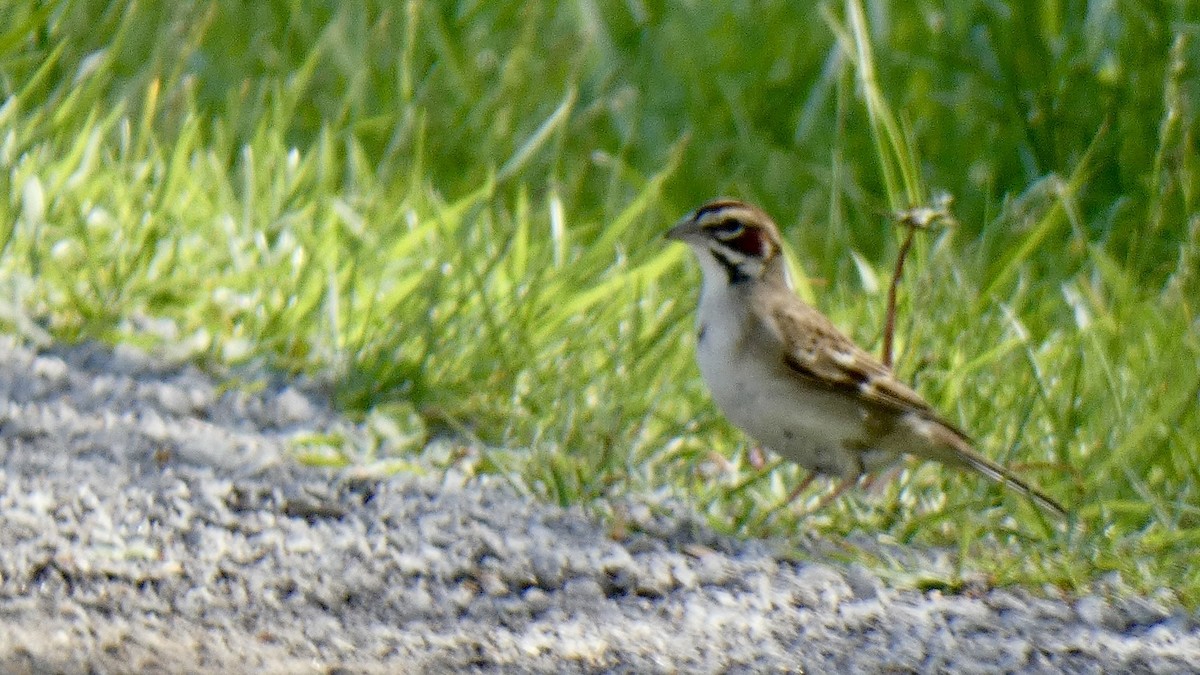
751 242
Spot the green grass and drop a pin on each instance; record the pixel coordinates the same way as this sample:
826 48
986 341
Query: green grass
456 209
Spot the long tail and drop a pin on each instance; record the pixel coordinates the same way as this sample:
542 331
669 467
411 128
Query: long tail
952 447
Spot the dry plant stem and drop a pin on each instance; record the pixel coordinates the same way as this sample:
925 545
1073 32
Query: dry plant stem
890 325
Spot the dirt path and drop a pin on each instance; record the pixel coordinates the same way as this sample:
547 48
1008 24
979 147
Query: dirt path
150 522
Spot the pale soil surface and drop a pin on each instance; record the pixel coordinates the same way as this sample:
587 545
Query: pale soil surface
151 521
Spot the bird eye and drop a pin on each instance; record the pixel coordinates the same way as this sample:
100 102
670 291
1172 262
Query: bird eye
730 228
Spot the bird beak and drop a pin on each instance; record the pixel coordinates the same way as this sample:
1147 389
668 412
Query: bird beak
684 230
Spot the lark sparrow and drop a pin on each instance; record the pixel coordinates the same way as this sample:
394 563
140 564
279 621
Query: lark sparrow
783 373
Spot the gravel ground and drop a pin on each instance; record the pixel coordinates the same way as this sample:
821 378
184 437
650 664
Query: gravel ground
150 521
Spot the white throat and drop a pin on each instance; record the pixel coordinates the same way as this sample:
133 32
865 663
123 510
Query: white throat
721 318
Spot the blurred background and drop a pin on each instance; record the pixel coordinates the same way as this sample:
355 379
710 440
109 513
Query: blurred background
452 211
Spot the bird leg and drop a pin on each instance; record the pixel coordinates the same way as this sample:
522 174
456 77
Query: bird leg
756 456
808 480
879 481
828 499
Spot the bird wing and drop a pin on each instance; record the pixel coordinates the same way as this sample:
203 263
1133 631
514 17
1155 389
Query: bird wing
814 349
817 351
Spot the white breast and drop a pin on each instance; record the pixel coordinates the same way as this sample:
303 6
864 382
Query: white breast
803 424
